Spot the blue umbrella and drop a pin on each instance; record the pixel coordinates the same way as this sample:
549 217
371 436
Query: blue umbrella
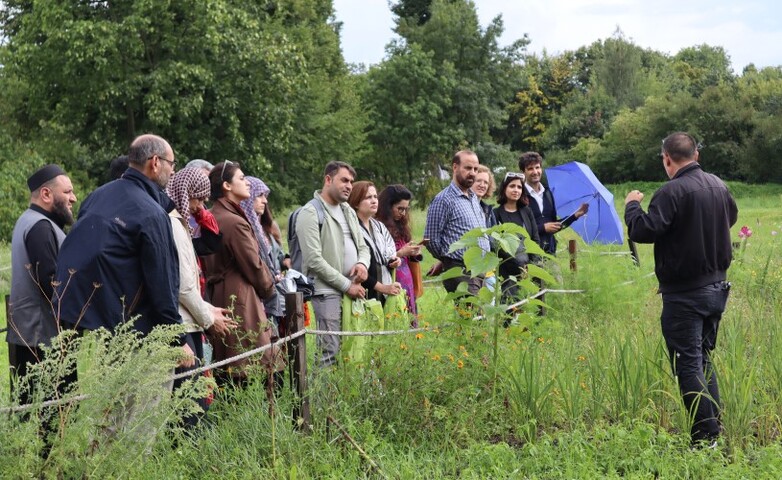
573 184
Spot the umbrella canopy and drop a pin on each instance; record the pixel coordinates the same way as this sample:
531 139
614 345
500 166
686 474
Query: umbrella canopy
573 184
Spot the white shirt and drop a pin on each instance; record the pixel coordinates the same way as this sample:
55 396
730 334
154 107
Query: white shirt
538 196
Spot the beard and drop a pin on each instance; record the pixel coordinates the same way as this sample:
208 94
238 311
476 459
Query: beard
61 213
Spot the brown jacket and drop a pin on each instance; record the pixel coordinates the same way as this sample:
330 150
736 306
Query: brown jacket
236 270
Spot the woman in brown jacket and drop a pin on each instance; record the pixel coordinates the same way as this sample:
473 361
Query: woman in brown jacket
236 277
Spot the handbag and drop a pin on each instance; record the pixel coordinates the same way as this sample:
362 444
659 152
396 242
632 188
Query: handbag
396 312
418 281
359 315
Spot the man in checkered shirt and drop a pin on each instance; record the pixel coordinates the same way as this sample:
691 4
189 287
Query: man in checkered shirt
452 213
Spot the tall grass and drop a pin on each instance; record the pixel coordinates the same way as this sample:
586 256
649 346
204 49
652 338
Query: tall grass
584 392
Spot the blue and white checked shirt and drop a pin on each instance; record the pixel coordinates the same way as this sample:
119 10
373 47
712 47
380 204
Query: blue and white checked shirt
451 214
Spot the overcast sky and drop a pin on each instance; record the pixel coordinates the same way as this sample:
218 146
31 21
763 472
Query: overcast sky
749 30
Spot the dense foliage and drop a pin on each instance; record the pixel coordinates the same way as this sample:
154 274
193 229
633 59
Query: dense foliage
265 84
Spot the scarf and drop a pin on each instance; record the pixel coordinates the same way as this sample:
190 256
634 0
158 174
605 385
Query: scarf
190 182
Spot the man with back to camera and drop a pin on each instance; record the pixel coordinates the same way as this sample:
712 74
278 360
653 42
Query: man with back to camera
119 260
36 240
334 253
543 206
453 212
689 222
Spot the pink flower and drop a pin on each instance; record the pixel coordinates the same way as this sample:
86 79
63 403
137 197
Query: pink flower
745 232
774 233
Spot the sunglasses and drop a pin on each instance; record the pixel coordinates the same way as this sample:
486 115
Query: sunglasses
520 176
225 164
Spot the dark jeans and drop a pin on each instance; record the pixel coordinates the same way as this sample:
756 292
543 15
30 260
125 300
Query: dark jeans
690 321
473 283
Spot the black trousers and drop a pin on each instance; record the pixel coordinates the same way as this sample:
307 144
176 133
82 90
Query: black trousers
690 321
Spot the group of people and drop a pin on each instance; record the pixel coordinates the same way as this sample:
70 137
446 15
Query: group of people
145 249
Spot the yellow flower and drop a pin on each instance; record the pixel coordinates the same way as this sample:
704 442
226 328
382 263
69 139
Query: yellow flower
436 357
581 358
465 353
419 336
541 339
403 346
451 358
460 364
583 385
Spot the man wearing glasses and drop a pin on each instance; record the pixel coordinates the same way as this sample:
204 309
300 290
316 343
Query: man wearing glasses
453 212
119 261
543 206
689 220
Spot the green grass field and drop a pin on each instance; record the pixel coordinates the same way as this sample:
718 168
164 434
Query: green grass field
585 392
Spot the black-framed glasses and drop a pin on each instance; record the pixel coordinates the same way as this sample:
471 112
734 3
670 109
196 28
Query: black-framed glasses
402 209
225 164
170 162
518 175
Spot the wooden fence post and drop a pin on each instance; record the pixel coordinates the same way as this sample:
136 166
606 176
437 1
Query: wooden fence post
571 248
297 359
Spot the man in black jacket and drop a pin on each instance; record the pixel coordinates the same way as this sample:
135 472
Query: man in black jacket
542 202
689 222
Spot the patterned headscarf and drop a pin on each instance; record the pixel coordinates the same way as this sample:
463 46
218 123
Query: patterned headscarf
190 182
257 188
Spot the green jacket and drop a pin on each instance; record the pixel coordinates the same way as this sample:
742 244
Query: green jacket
323 251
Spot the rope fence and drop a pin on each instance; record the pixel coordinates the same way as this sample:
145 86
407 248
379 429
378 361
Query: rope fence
295 320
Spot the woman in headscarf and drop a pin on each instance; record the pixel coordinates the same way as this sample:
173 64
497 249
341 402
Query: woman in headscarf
363 199
275 304
237 279
189 188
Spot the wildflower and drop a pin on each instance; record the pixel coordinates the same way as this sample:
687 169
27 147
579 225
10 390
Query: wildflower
774 233
403 346
436 357
451 358
465 354
460 364
581 358
745 232
419 336
583 385
461 347
541 339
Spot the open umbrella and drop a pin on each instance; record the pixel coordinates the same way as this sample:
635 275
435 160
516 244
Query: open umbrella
573 184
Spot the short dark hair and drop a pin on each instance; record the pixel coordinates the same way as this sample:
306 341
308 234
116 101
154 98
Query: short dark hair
145 147
529 158
222 172
523 200
680 146
118 166
457 157
335 166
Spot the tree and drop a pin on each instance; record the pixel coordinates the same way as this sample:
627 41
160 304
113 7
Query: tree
220 79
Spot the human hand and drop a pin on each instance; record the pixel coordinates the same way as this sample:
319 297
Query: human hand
223 323
582 210
395 262
355 291
392 289
189 359
409 250
634 196
358 273
552 227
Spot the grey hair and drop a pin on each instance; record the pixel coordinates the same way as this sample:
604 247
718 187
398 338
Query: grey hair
145 147
199 163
